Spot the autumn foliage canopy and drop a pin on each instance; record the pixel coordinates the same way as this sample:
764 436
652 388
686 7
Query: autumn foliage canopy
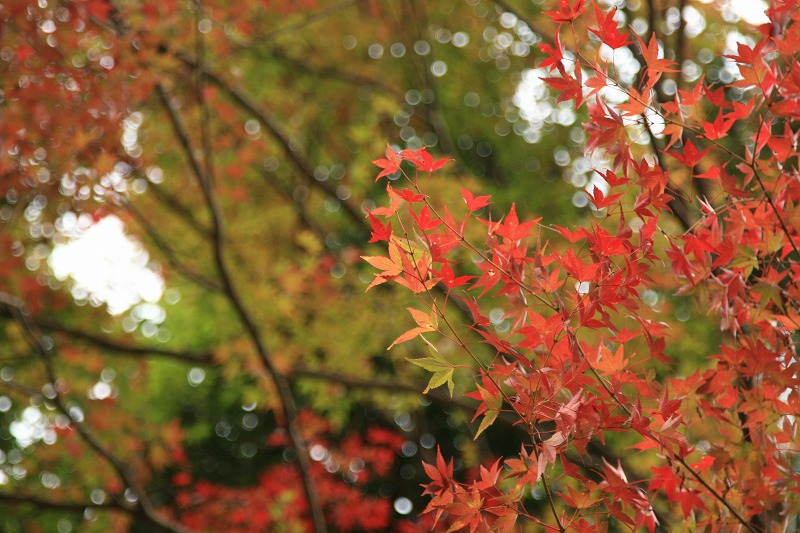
584 358
438 344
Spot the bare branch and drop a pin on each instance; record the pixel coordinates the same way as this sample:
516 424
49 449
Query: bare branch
175 206
280 381
122 348
24 390
17 309
291 148
394 386
78 507
541 31
302 214
322 72
310 19
166 249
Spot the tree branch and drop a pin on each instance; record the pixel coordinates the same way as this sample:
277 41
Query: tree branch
281 383
350 382
178 208
16 309
300 211
291 148
433 110
313 17
318 71
167 250
543 33
78 507
124 349
678 205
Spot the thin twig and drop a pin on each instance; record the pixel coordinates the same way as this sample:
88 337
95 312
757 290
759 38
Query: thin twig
326 72
302 214
552 504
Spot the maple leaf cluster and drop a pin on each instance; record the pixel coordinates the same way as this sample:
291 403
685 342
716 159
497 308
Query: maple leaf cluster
576 364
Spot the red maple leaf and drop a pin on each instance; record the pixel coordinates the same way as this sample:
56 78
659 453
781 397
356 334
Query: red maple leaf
607 29
380 232
448 277
424 220
553 55
510 227
655 66
610 363
525 467
611 178
390 165
572 236
474 203
717 129
426 163
600 200
690 156
440 487
410 196
566 12
570 88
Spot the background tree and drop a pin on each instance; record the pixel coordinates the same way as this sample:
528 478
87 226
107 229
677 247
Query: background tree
235 142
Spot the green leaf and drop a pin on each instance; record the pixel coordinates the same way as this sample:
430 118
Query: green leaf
442 371
439 379
488 420
431 364
746 259
769 292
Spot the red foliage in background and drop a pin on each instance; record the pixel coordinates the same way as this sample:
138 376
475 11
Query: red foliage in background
341 475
